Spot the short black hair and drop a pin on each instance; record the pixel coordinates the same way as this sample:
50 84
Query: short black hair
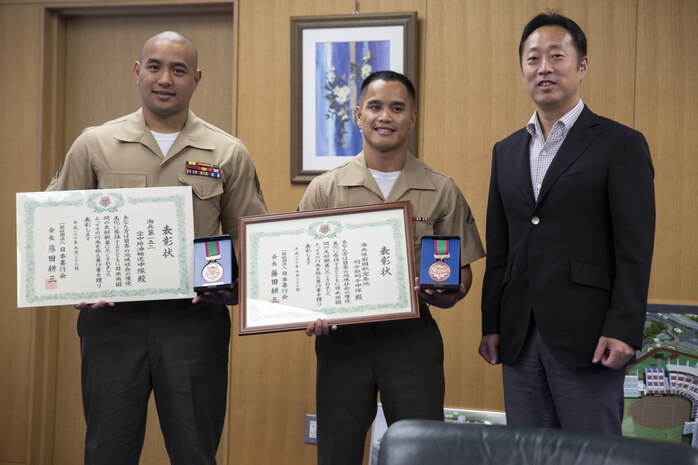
555 19
389 76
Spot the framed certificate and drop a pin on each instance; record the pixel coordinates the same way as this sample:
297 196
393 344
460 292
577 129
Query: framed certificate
113 244
347 265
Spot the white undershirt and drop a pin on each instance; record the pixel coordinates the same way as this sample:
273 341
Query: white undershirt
165 141
384 180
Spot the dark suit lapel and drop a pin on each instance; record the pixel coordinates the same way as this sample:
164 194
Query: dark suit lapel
583 133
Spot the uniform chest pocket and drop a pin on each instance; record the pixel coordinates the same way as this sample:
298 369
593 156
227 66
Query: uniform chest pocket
122 179
203 187
420 229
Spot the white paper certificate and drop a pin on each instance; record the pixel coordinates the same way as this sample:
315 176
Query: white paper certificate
348 265
113 244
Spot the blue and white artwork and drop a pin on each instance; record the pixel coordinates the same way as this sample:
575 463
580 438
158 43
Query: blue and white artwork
340 68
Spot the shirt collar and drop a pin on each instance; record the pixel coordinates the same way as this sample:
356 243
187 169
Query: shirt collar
415 175
357 174
565 122
192 134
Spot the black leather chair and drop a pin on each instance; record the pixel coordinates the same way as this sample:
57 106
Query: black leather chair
424 442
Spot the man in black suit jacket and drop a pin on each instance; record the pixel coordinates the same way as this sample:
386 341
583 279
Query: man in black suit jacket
570 233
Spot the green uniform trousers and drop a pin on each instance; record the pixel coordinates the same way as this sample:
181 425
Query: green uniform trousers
177 350
403 360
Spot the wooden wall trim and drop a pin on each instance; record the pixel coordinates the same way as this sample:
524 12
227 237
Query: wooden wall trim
44 352
52 98
140 9
44 362
236 42
119 4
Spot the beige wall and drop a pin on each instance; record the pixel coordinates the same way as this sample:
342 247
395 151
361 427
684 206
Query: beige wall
641 73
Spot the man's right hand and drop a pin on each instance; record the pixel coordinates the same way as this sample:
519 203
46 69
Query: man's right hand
319 327
489 348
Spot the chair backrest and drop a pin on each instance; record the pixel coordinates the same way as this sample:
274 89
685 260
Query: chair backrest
425 442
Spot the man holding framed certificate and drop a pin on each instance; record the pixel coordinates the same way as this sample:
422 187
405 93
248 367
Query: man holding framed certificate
177 349
402 359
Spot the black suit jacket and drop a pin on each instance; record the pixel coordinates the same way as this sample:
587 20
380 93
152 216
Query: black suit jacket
578 258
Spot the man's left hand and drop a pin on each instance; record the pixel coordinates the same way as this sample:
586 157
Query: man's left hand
446 299
612 353
220 296
441 298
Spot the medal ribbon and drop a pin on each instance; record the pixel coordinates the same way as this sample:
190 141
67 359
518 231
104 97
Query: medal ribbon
212 251
441 248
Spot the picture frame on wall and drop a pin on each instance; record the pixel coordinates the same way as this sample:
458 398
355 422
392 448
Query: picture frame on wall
330 57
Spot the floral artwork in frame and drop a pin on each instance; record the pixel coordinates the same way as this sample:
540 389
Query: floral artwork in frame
331 56
341 68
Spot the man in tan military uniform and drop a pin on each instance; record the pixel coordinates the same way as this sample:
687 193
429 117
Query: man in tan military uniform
175 348
401 359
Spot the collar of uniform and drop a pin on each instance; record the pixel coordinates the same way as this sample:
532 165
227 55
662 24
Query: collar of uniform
355 172
193 132
415 174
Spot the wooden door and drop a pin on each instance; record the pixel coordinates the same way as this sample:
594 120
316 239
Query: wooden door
95 83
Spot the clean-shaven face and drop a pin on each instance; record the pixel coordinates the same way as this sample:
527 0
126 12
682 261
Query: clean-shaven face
551 70
386 114
166 76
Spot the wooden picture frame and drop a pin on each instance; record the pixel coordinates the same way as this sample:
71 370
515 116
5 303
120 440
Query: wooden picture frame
330 57
346 265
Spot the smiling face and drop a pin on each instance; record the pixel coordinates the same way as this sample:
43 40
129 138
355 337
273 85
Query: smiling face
552 70
166 77
386 114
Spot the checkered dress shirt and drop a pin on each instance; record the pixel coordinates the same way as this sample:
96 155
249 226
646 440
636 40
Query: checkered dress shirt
542 151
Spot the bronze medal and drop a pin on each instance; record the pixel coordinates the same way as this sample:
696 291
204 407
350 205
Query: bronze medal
439 271
213 271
